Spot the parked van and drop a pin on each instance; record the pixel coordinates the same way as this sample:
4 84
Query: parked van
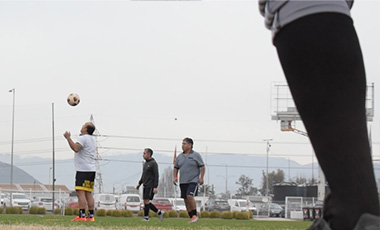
104 201
239 205
129 202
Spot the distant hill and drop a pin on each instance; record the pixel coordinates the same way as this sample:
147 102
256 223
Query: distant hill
119 171
19 175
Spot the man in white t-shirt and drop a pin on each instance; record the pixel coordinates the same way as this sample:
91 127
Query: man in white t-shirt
84 160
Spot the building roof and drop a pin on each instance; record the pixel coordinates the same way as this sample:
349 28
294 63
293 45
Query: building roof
34 188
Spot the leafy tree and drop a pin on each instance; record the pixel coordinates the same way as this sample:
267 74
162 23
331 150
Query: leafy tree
273 178
226 195
246 186
210 192
301 180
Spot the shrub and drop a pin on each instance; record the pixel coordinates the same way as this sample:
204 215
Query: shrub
76 212
33 210
204 214
227 215
214 214
19 210
183 214
109 212
116 213
250 215
172 213
68 211
234 213
57 211
152 214
13 210
101 212
1 210
127 213
241 216
41 210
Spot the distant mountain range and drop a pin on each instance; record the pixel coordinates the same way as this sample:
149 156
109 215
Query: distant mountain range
19 175
120 171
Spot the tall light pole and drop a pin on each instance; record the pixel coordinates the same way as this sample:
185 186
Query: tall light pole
226 179
13 135
53 182
50 170
267 181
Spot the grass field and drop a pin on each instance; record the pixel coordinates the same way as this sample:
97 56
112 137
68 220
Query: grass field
34 222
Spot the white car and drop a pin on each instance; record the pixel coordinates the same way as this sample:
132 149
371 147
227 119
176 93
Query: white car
18 200
239 205
104 201
178 204
44 202
129 202
2 199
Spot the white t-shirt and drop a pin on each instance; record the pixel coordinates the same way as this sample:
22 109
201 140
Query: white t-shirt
84 159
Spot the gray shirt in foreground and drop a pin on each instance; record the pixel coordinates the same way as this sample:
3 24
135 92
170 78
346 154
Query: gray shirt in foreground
189 166
279 13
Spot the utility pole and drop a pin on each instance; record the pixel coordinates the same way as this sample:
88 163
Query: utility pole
13 135
98 179
267 181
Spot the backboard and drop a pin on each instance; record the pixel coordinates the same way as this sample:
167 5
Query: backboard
283 108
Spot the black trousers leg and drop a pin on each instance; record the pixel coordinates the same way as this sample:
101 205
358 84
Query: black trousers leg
322 60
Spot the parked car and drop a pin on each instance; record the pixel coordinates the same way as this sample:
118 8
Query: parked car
129 202
273 208
217 205
72 202
252 208
163 204
178 204
18 200
239 205
104 201
2 199
44 202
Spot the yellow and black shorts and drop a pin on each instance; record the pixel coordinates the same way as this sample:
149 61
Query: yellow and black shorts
85 181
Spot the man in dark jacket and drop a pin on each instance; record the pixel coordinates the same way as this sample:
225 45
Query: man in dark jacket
149 178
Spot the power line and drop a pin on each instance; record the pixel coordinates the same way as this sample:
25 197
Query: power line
213 153
201 140
47 162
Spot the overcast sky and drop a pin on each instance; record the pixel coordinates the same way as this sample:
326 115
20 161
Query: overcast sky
152 73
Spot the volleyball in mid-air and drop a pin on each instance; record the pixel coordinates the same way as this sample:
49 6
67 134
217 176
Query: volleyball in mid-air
73 99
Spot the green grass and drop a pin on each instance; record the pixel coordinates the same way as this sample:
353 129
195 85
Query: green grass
107 222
